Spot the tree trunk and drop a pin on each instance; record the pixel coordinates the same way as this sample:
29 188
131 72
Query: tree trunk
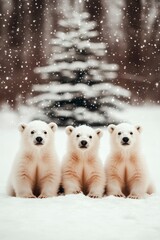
133 35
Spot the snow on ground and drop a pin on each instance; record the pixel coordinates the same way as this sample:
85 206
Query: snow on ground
77 216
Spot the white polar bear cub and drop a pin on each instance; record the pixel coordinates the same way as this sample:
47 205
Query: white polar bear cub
126 171
36 170
82 169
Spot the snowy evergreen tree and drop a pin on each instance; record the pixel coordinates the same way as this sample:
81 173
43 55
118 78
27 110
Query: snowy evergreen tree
78 86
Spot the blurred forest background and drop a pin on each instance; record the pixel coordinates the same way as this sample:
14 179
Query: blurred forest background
130 30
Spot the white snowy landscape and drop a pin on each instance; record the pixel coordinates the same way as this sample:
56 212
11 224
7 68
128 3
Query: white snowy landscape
78 216
78 62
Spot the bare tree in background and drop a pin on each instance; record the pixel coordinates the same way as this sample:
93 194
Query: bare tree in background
133 34
26 27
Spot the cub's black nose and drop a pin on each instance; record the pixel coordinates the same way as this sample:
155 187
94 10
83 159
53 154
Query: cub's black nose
84 143
125 139
39 139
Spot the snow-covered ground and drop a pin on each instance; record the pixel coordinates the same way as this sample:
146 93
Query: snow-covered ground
77 216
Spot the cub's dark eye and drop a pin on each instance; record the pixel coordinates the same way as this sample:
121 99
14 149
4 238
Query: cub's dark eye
90 136
78 135
131 133
45 132
32 132
119 133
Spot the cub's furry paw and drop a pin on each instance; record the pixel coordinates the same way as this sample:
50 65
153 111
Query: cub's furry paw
116 194
73 191
94 195
77 192
45 195
135 196
119 195
26 195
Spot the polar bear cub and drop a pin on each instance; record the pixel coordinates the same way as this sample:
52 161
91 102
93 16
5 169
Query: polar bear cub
36 170
126 170
82 169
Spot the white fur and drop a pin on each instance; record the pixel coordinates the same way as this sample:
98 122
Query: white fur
36 169
126 170
82 169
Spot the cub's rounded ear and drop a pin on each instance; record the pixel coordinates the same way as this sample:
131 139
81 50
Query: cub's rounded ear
69 130
22 126
99 132
111 128
139 128
53 126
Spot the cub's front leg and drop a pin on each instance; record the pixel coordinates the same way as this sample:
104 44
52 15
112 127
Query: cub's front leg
48 177
138 185
49 184
71 179
95 180
114 187
23 184
114 182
